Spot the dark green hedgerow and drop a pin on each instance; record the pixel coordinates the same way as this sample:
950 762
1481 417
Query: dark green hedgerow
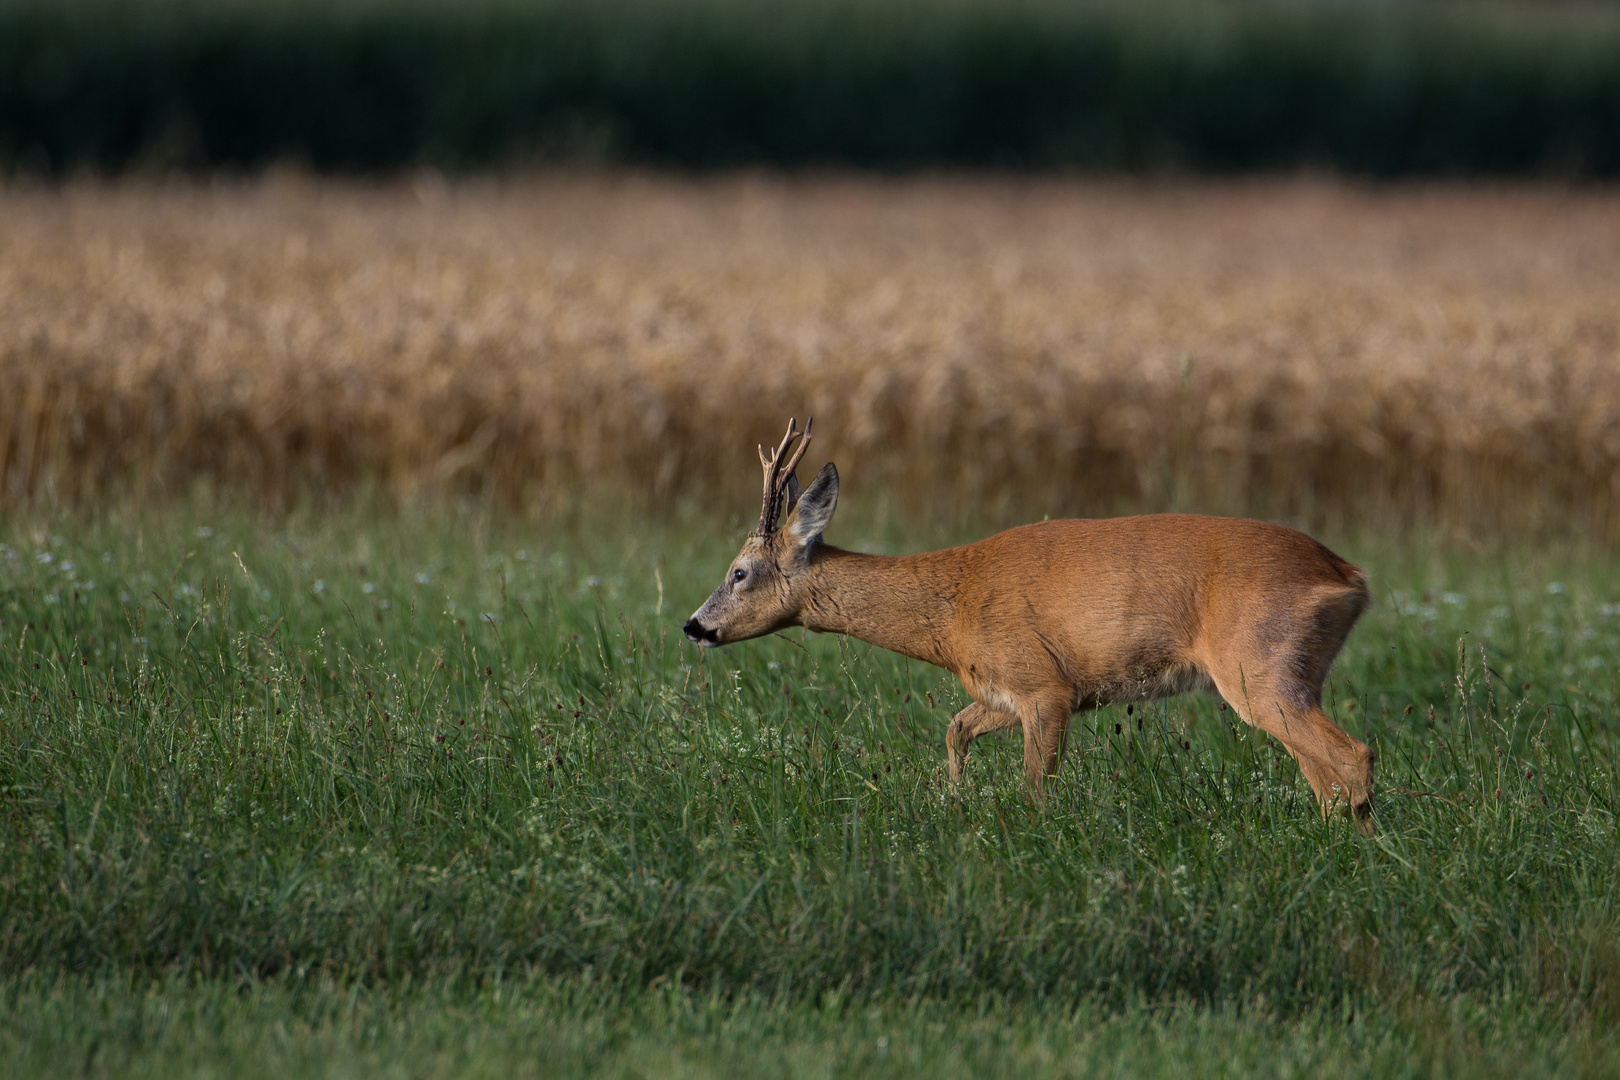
359 84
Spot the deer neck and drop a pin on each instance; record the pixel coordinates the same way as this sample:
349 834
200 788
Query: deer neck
905 605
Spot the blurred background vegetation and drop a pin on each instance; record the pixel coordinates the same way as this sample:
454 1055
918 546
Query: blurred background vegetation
1380 89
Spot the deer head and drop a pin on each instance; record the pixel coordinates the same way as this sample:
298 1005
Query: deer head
764 589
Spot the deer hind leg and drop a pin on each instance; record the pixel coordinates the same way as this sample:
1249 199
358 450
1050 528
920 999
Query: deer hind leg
1279 690
1344 774
1338 767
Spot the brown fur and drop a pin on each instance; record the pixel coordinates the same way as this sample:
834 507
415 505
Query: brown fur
1043 620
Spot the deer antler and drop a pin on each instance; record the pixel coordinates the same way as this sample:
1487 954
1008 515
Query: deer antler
778 474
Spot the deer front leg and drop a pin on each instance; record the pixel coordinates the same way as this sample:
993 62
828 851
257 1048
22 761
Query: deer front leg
967 725
1046 729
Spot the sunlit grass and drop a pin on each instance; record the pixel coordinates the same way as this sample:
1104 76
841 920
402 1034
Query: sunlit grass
447 752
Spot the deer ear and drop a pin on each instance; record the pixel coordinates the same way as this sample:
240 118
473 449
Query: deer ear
815 507
793 492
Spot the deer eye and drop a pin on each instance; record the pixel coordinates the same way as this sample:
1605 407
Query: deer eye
738 574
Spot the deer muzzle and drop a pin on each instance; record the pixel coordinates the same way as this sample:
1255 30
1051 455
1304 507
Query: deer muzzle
699 633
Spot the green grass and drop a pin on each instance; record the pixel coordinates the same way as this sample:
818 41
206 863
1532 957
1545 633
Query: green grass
440 795
533 1027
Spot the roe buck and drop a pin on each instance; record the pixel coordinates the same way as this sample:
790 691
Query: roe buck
1044 620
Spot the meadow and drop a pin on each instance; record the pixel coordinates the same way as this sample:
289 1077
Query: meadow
450 793
346 726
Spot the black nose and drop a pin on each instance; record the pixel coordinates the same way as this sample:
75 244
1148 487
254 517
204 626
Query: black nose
698 632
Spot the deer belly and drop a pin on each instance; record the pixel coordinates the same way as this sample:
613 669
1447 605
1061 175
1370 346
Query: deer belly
1145 684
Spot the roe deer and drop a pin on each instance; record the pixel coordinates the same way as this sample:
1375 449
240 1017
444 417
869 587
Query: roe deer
1044 620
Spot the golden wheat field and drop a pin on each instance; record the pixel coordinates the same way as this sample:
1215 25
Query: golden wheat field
1292 347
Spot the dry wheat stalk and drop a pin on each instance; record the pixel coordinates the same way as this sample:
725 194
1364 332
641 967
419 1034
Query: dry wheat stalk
1288 346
